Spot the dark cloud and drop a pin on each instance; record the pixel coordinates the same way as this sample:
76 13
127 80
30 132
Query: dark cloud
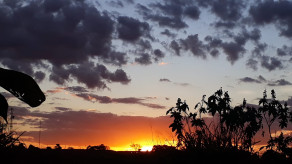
144 59
249 80
193 44
175 46
165 21
277 12
93 75
39 76
284 51
227 10
192 12
117 3
127 100
281 82
261 78
130 1
271 63
158 54
164 80
130 29
214 53
168 33
256 56
222 24
116 58
169 13
62 109
259 49
77 89
64 34
233 50
143 45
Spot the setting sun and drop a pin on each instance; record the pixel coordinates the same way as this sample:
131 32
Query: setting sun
146 148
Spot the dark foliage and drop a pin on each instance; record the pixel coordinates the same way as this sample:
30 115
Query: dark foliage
230 128
100 147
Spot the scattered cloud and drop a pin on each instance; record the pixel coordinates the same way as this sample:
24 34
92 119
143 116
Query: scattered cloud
127 100
131 29
249 80
175 83
281 82
76 89
56 90
273 12
164 80
62 109
144 59
260 79
65 34
183 84
168 33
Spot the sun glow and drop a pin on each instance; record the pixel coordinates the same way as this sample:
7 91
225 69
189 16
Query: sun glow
146 148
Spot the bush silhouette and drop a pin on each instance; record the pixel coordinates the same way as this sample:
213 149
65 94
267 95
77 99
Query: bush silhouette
229 127
100 147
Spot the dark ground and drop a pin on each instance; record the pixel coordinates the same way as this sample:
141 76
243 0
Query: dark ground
175 157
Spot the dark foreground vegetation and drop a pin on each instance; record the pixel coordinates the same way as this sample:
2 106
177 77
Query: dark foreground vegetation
229 133
54 156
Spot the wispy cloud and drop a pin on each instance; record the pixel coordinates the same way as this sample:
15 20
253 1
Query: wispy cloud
164 80
126 100
281 82
260 79
175 83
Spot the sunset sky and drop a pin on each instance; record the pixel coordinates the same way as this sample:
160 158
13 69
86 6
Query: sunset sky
111 68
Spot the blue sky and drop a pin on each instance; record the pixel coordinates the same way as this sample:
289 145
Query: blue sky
135 58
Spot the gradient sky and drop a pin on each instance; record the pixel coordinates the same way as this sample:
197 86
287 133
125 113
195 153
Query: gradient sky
110 69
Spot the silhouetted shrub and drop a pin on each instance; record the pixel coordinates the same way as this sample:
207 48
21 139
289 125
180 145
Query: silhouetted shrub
58 147
9 140
32 148
100 147
230 127
163 148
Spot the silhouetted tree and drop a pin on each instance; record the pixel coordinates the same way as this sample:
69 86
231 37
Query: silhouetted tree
100 147
163 148
33 148
58 147
273 111
231 127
